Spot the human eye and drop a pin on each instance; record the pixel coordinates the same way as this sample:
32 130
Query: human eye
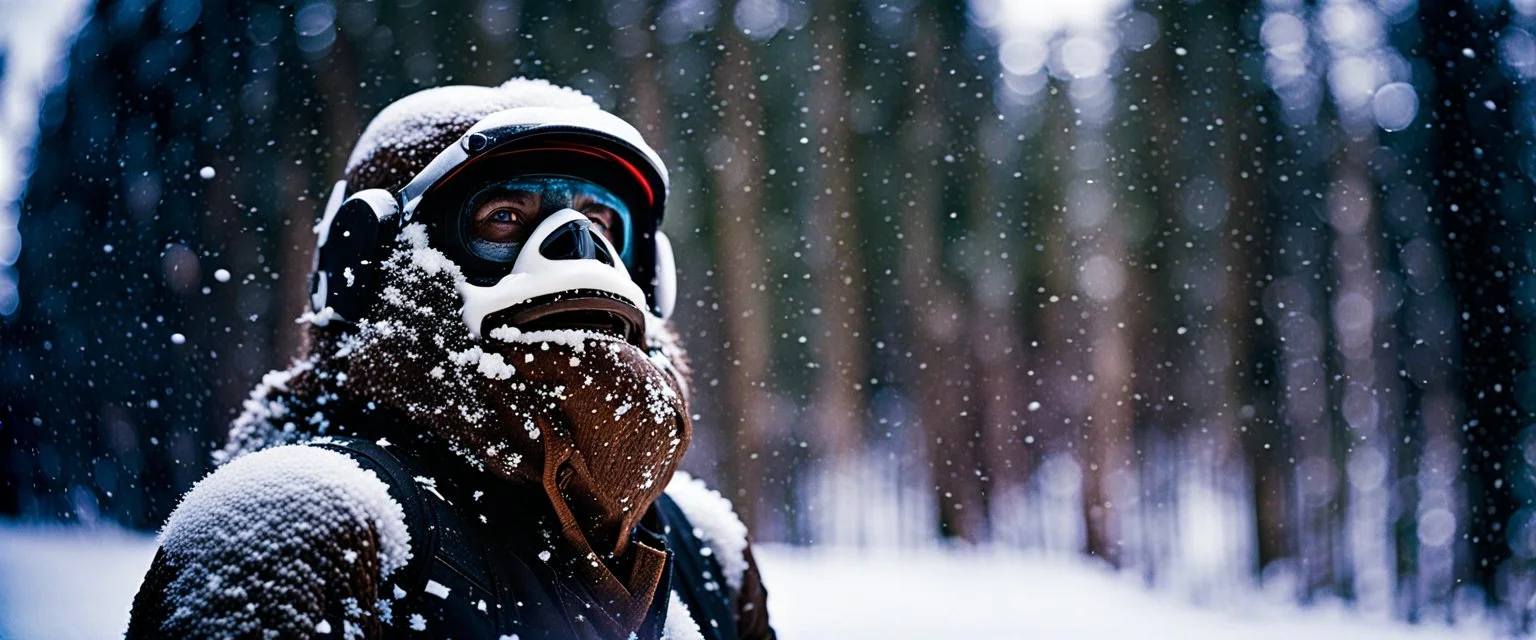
602 217
500 220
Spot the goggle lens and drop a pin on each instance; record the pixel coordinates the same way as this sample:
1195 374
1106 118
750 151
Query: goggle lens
498 219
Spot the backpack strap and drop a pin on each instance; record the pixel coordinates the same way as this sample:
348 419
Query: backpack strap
463 602
420 518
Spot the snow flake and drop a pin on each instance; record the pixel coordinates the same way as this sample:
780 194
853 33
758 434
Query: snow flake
493 366
319 318
506 333
470 356
437 589
429 260
575 339
430 484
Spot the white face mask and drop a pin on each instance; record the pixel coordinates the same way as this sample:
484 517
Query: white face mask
535 275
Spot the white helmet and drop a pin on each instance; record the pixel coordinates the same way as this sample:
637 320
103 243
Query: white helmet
577 277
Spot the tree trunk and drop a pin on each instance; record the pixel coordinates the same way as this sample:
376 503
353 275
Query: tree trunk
1482 203
835 260
937 311
744 307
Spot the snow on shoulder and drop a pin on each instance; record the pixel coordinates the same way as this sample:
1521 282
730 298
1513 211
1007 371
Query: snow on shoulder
258 494
254 539
680 624
714 522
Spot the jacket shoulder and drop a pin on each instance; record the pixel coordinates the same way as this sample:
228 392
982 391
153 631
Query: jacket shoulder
289 540
285 495
714 522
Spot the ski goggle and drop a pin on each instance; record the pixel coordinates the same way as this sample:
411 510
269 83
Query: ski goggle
495 221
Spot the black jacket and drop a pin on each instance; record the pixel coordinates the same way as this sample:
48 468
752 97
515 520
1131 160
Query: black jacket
483 565
497 583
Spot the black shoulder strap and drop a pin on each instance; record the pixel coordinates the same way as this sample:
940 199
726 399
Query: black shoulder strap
697 577
420 519
443 550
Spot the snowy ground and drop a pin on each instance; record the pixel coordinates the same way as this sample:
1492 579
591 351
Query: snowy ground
68 583
936 594
75 583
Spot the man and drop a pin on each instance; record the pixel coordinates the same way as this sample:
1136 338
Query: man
482 441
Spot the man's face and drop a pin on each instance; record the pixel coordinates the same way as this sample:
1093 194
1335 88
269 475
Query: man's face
502 216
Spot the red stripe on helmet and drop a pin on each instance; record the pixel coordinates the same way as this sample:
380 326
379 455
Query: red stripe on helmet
599 152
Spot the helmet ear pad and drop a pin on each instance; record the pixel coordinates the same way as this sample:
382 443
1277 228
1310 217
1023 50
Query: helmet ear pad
348 253
663 292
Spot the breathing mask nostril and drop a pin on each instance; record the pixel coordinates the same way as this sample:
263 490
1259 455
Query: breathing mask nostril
575 240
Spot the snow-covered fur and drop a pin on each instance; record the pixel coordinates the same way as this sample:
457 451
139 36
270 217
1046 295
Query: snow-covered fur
248 534
714 522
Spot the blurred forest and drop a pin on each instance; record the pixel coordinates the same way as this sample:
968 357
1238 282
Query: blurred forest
1217 292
